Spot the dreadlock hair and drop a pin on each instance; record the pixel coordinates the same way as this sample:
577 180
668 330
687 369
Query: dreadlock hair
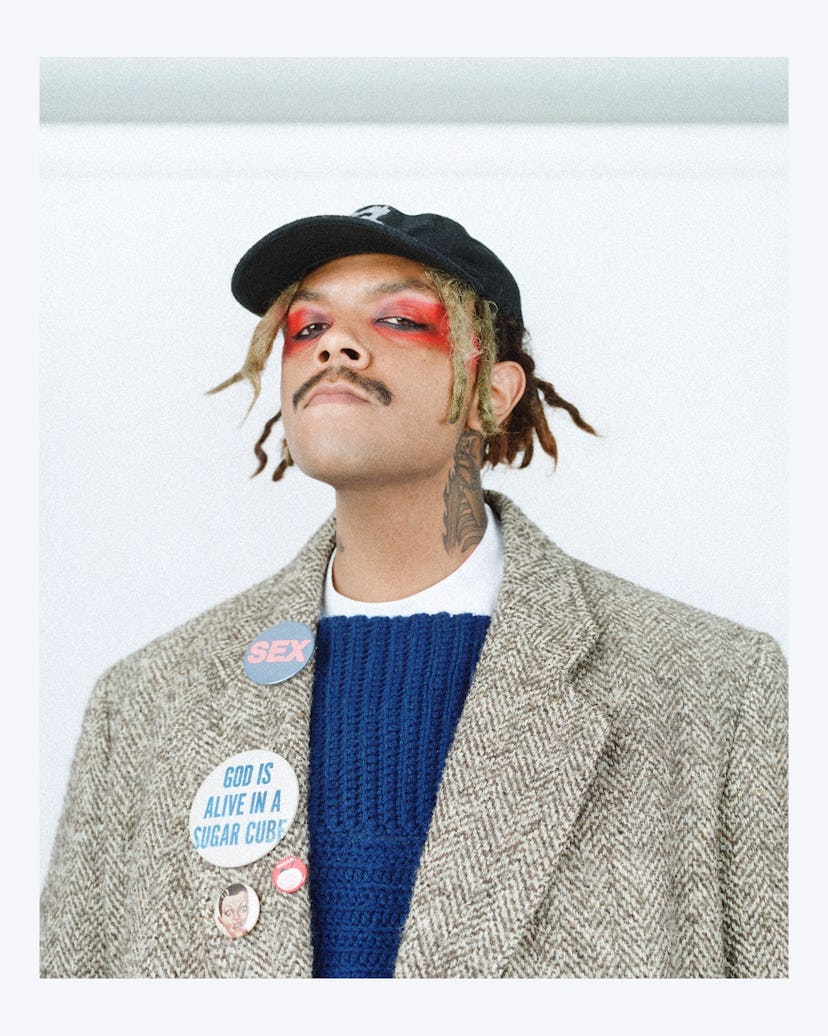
528 418
478 332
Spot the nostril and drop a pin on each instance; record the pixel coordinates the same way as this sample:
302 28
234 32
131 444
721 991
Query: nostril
352 354
324 356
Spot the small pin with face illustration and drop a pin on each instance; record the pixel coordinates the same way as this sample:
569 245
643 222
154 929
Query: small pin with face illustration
236 910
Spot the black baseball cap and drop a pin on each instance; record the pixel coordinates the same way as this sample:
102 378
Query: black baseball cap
289 253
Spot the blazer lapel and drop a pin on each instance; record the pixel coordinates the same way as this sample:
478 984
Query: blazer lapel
523 756
280 717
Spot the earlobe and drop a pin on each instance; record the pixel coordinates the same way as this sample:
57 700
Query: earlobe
508 381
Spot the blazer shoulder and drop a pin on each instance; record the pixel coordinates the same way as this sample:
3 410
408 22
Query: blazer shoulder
229 623
670 636
639 630
192 638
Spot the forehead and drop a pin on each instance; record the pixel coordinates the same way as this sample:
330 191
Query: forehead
365 274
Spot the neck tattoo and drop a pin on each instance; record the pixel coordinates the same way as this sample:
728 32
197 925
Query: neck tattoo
464 517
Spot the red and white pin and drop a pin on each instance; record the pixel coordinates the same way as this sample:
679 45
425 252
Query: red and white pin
289 874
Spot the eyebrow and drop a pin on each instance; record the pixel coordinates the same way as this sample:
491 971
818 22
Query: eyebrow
389 288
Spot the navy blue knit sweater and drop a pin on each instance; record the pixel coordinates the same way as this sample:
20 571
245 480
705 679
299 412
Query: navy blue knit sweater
386 699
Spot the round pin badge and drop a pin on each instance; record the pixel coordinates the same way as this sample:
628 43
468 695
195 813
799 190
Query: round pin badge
289 874
279 652
237 910
243 808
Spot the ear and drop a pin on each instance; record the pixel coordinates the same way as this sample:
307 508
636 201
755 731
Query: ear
507 386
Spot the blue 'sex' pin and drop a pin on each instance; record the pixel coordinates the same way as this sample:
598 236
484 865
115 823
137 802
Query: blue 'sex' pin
279 652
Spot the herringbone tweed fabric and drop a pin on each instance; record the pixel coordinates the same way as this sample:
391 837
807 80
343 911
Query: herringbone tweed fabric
613 805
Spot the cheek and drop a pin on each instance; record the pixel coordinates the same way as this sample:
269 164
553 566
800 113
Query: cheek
287 377
286 390
437 340
290 349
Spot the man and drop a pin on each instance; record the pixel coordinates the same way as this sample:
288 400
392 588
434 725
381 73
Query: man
487 758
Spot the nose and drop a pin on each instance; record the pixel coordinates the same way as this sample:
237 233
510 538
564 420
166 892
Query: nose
339 345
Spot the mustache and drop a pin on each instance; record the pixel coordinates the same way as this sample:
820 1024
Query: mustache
375 388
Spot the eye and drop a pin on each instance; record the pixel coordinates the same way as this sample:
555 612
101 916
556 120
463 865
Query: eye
404 323
310 330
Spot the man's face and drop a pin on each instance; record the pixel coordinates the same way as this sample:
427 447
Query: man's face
234 914
366 374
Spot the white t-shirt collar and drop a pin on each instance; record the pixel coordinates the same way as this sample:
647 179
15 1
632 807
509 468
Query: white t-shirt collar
470 589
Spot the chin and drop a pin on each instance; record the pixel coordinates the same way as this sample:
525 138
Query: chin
338 476
336 463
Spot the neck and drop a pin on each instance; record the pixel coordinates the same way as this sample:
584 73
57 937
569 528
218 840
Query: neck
395 540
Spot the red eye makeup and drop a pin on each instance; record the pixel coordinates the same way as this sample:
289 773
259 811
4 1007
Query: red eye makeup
418 321
303 326
409 320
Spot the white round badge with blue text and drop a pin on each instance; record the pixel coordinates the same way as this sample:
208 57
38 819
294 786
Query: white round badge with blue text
243 808
279 652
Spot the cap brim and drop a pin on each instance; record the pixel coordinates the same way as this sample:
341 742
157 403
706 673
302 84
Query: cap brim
290 253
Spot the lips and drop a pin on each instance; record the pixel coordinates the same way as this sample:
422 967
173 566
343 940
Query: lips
334 392
342 381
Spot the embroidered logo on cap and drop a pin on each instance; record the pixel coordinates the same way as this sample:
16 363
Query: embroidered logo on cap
374 212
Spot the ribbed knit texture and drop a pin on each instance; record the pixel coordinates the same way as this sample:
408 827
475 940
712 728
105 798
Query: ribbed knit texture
387 696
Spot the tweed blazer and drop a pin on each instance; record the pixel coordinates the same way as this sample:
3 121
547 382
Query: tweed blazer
613 805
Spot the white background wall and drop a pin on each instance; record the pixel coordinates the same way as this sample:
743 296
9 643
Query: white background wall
652 262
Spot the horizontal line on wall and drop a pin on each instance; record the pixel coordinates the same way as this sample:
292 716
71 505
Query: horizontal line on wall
497 90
